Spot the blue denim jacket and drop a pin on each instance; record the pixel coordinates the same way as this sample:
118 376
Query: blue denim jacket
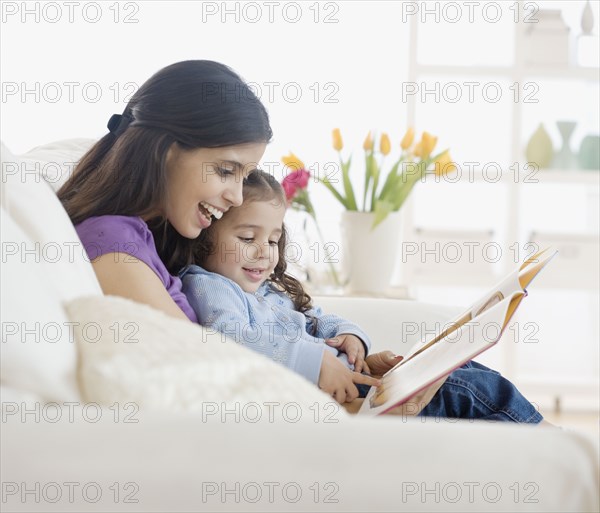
266 321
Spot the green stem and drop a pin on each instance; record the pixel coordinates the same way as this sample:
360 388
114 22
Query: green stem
332 270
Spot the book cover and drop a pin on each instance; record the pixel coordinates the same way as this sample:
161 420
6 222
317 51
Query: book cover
476 330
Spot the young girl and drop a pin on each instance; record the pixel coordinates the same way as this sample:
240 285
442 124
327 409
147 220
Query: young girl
241 289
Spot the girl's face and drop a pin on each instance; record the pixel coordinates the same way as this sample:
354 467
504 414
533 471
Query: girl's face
245 243
204 183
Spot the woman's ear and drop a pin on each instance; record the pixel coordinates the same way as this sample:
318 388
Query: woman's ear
172 152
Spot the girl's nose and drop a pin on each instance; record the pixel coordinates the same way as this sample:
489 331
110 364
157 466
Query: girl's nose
263 251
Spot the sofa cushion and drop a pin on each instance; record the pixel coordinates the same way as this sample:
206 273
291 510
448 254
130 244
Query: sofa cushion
132 353
38 350
56 160
406 322
44 264
35 208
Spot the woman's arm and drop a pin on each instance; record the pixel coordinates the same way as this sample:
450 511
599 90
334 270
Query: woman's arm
123 275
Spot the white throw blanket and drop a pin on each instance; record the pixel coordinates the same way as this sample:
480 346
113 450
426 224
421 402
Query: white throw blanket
129 352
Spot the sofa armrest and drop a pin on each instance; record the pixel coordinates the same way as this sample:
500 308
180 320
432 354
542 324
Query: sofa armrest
394 324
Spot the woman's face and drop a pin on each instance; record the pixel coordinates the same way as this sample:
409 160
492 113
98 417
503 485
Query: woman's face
205 182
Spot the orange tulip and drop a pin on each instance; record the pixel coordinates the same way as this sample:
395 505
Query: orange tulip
338 144
384 144
428 143
418 150
368 144
293 162
444 164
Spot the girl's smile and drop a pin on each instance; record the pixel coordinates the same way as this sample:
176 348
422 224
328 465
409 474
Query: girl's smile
245 243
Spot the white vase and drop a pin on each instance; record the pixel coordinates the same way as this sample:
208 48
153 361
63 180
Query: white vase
370 256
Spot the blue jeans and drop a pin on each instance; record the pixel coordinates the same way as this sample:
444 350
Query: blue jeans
475 392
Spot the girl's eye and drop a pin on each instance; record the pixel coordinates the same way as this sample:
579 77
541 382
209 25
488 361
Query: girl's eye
225 172
273 242
247 240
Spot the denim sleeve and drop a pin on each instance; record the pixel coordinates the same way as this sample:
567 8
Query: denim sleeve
330 325
220 304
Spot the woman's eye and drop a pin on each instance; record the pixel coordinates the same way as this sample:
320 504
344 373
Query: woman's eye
225 172
273 242
247 240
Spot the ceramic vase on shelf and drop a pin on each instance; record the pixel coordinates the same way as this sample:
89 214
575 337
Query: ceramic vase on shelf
587 19
564 157
546 42
587 42
370 256
589 152
539 148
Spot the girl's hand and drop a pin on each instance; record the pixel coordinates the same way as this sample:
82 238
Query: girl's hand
353 347
380 363
338 381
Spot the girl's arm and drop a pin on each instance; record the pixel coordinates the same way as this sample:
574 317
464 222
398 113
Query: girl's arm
343 335
123 275
220 304
223 306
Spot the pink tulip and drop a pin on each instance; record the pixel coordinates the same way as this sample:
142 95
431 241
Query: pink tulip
290 188
294 181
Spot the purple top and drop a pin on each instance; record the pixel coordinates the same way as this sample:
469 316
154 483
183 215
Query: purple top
123 234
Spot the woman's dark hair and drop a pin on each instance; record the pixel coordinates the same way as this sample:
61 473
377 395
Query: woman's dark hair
196 104
259 186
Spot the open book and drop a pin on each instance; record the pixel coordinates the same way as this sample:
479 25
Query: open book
477 329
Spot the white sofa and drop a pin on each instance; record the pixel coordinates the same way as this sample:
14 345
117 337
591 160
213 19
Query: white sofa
176 460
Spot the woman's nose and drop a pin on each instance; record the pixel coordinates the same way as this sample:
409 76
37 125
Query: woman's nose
233 194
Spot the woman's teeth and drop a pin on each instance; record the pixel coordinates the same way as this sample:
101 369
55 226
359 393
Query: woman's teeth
212 210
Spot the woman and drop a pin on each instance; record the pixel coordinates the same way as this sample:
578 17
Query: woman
171 163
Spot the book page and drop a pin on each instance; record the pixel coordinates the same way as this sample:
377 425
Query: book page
515 281
532 266
431 360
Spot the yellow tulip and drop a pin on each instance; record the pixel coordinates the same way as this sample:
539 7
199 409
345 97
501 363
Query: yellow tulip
368 144
408 138
293 162
428 143
384 144
444 164
338 144
417 150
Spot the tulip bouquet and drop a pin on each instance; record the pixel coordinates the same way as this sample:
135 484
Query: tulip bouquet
382 196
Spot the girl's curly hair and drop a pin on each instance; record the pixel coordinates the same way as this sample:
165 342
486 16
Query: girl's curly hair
260 186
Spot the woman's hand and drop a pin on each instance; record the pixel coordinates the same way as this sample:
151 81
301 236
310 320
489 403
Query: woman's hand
338 381
380 363
353 347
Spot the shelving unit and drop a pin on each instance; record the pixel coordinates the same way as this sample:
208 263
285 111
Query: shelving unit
512 190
